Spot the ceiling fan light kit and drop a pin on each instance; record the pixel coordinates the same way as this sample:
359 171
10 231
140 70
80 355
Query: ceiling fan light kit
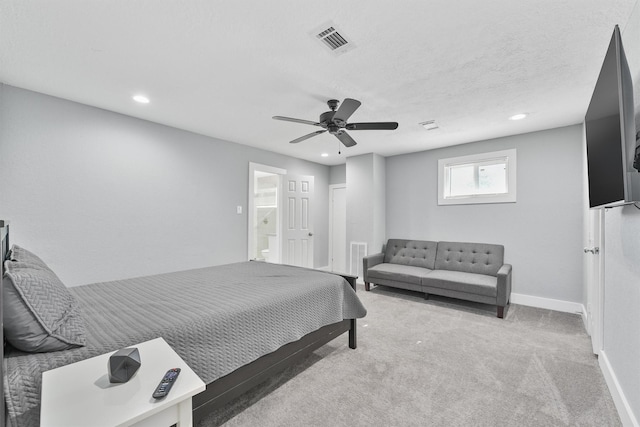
335 122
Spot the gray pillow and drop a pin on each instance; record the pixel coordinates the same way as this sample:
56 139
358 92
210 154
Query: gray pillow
20 254
40 314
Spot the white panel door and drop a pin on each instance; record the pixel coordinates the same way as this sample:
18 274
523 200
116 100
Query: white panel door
297 248
338 219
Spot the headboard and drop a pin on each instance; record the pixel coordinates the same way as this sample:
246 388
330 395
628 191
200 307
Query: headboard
4 251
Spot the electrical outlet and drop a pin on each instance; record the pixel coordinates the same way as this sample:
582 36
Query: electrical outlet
238 209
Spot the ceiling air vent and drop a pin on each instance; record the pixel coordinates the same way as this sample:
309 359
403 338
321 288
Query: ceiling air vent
429 125
333 38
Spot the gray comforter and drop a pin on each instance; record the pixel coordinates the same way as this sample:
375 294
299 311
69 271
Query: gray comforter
217 319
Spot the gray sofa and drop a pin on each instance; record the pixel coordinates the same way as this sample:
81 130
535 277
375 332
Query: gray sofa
469 271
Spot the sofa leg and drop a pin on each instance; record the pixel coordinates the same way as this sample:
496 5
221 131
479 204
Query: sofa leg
367 286
426 295
500 312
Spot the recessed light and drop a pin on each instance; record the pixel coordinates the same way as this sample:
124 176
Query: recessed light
141 99
518 116
325 154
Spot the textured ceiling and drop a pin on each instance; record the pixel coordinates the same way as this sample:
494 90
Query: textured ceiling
224 68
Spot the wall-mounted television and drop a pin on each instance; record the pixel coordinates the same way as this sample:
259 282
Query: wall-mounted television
610 132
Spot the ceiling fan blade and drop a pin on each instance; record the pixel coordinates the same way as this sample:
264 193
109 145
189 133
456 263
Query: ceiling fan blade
302 138
372 126
289 119
345 139
346 109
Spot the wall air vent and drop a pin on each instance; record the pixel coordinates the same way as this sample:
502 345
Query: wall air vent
358 252
333 38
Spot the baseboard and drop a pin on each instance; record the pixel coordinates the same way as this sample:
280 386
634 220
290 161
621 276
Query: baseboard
325 268
548 303
619 399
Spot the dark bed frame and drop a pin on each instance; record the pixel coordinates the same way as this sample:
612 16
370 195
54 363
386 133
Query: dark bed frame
4 250
219 392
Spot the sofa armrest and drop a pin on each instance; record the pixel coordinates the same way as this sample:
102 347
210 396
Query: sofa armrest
369 261
504 285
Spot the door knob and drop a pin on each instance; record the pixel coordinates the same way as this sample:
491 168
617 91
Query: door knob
594 251
310 234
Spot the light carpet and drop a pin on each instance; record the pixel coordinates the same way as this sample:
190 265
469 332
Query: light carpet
438 362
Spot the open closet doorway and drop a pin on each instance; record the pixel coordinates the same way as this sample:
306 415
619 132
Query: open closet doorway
265 213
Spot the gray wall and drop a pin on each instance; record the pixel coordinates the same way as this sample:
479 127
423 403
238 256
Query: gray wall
366 201
541 232
379 197
338 174
103 196
359 200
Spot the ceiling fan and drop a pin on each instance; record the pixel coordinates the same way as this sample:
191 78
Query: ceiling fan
335 122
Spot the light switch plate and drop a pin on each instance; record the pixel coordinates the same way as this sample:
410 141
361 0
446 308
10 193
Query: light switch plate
239 209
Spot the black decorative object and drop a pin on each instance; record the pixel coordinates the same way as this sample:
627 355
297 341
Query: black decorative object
123 364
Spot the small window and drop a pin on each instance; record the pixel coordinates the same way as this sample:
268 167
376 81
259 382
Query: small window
479 178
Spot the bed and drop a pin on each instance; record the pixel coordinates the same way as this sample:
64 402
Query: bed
235 325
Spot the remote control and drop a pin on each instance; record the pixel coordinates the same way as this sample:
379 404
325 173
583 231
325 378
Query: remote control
167 382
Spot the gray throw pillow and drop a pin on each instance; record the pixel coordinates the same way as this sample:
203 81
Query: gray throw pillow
40 314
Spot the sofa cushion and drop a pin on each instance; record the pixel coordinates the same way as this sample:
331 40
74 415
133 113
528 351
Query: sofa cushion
480 258
398 273
416 253
479 284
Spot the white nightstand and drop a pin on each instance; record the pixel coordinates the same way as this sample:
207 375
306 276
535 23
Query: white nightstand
81 395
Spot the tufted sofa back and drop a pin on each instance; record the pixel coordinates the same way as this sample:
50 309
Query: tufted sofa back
418 253
480 258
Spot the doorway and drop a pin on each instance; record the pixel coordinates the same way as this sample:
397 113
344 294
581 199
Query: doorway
280 216
265 216
594 253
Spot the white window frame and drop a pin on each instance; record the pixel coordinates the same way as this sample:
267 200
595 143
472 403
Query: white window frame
443 179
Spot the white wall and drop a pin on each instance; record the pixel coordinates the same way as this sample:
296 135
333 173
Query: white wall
102 196
622 301
620 360
541 232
